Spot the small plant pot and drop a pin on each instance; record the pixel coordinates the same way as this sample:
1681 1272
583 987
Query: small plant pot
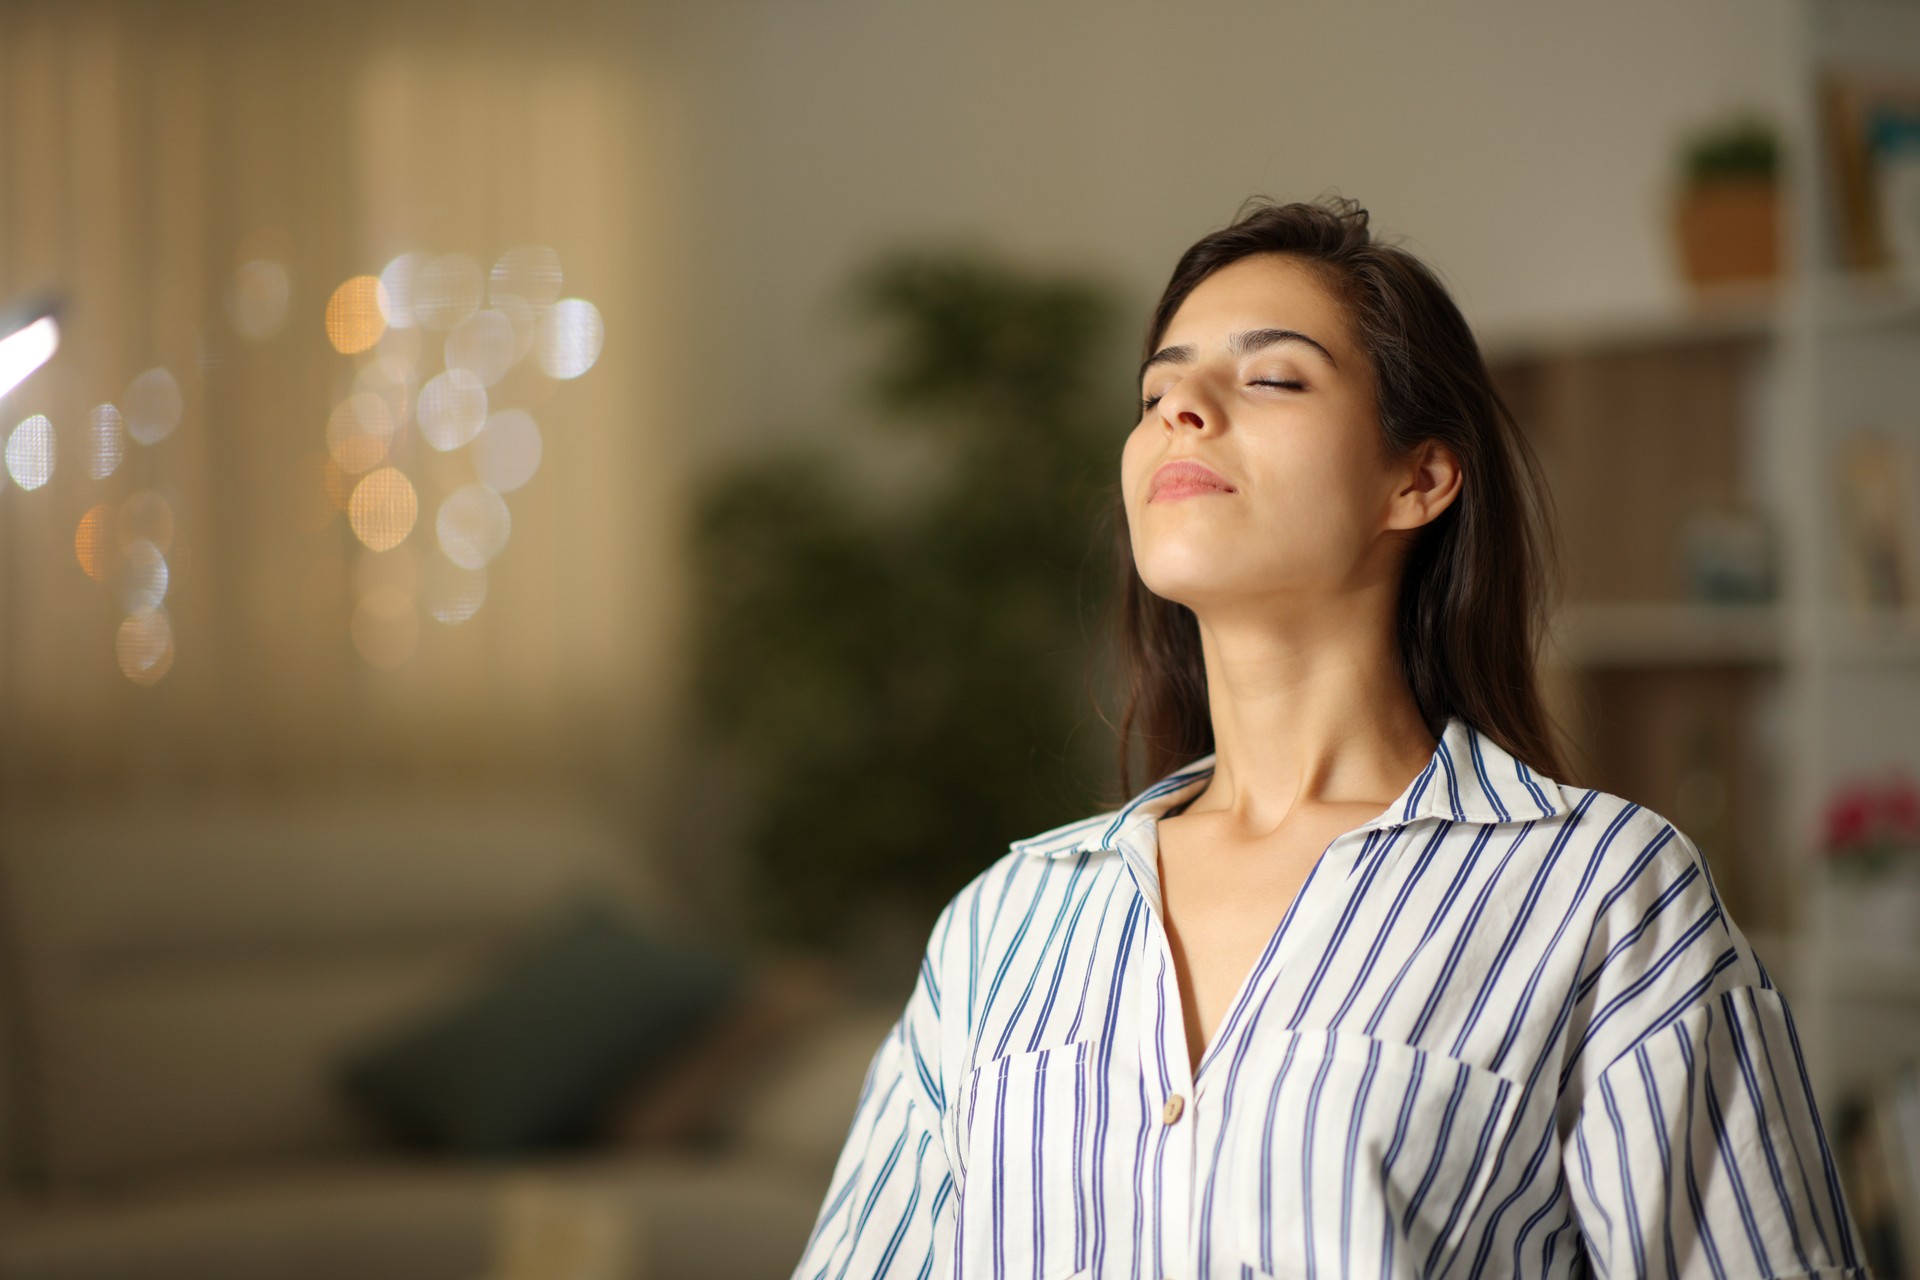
1728 229
1878 910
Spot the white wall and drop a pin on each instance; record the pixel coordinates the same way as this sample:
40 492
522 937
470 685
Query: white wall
1523 148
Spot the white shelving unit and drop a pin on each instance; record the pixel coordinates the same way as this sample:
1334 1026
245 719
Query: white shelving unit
1848 358
1837 352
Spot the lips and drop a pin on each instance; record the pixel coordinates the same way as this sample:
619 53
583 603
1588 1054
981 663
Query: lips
1186 476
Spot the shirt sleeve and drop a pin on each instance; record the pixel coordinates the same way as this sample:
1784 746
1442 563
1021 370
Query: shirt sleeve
1696 1148
889 1206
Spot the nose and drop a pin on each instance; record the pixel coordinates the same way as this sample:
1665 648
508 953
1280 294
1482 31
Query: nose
1183 404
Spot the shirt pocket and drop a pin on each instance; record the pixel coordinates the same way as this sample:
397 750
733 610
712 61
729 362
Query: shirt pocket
1021 1123
1367 1156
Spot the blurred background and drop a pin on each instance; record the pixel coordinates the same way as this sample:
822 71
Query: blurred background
555 537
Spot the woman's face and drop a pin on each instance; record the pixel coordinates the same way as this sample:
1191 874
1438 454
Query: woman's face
1289 422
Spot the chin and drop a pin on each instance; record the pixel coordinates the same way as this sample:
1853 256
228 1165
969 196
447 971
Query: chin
1184 576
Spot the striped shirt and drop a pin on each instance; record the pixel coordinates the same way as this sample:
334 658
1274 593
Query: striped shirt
1506 1028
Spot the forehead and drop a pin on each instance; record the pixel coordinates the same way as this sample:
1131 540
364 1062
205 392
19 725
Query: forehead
1266 290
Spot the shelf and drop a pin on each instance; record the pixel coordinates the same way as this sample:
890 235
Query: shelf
1845 301
1684 633
1840 302
1717 313
1660 634
1873 637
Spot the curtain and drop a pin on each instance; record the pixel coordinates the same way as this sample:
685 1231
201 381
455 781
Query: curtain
212 191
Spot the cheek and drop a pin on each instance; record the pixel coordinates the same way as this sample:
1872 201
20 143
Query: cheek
1328 467
1313 498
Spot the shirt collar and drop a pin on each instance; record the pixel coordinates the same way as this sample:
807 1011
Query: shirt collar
1470 778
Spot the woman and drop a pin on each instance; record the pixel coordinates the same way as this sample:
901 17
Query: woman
1356 988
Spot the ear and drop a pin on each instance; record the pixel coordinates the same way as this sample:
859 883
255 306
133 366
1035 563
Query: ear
1425 484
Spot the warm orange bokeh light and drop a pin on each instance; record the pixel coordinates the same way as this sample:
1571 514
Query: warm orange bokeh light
383 508
90 541
355 319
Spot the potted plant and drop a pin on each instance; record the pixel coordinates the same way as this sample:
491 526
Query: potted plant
1727 211
906 683
1872 856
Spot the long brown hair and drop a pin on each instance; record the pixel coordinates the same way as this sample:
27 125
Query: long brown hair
1475 588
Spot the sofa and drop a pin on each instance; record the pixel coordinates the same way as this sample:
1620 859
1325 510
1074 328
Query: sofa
180 981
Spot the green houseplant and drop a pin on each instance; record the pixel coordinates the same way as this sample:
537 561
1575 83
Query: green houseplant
908 688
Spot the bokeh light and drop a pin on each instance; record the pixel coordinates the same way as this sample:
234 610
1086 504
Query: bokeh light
446 290
152 405
359 431
452 593
473 525
453 408
355 315
30 452
92 541
106 445
396 294
257 299
569 338
385 627
143 576
144 646
506 453
383 508
490 321
483 344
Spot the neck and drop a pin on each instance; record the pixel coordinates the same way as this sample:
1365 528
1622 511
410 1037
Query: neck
1306 715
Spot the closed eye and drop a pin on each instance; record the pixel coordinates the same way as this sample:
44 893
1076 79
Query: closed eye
1146 405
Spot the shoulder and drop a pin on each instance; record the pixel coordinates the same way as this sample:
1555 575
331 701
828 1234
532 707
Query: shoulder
1032 861
1031 884
1636 846
1632 846
1659 937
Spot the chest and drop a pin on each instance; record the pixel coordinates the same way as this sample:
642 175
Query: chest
1222 901
1342 1130
1416 934
1212 887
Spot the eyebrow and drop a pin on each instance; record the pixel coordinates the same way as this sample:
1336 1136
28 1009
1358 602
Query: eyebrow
1243 343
